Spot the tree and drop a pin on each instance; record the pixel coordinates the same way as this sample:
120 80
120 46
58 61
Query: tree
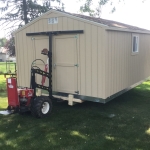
2 42
16 13
10 46
88 7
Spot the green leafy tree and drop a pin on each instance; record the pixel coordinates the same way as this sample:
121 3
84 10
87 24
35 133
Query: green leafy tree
96 11
10 46
16 13
88 7
3 42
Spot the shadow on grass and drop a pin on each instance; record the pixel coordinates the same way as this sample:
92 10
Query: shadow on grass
84 126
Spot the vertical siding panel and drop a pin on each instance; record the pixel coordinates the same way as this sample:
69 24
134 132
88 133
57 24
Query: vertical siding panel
88 59
49 27
109 62
70 24
148 48
106 65
138 63
30 54
55 27
126 61
25 59
94 61
45 24
75 25
99 63
145 67
123 64
120 60
129 46
36 26
82 65
31 28
65 23
60 24
113 64
117 61
40 22
22 63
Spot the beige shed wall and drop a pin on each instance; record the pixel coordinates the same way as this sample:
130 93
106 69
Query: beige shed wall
91 52
122 68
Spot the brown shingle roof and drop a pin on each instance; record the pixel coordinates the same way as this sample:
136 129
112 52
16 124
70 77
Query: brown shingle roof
109 23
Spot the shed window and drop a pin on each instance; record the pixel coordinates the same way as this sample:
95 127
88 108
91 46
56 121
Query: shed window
135 43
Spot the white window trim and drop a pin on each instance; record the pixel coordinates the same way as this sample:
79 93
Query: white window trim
135 35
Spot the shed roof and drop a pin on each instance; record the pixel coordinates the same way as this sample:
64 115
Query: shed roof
108 24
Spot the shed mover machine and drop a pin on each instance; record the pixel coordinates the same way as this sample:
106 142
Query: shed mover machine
22 99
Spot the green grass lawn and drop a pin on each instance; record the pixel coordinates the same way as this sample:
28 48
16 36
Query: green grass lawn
10 66
86 126
2 83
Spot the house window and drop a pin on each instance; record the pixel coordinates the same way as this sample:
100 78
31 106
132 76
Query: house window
135 43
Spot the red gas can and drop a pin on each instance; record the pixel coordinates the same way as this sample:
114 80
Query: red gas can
13 99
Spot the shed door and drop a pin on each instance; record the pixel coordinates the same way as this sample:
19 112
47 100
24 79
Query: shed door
39 44
65 64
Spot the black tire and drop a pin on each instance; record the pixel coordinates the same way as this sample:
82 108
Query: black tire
41 107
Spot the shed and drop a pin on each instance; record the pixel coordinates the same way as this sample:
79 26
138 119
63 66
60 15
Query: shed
92 58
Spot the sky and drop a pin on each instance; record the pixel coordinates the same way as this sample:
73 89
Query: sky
132 12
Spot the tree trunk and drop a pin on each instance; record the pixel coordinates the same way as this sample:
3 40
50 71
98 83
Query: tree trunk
25 11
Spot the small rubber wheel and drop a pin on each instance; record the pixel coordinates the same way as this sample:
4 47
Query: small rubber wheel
41 107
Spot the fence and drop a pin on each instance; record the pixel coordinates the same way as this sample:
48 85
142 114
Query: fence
7 67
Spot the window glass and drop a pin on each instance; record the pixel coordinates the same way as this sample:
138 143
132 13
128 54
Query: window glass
135 43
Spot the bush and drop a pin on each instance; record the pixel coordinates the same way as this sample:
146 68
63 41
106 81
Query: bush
1 72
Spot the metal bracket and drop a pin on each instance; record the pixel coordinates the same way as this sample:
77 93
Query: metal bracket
76 65
32 38
77 92
76 36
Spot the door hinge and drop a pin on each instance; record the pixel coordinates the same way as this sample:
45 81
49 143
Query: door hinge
77 92
76 36
32 38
